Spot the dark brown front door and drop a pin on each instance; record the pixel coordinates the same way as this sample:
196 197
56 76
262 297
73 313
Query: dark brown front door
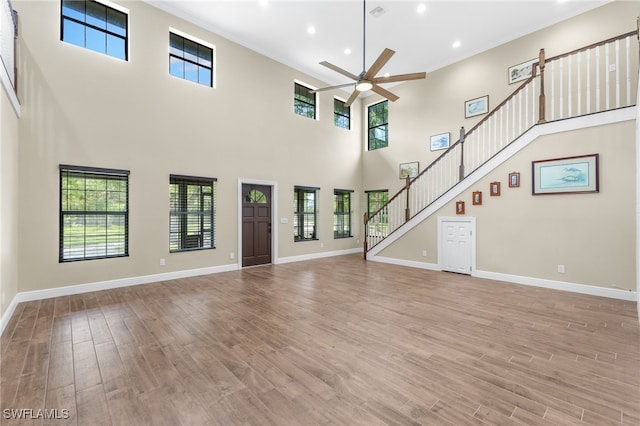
256 224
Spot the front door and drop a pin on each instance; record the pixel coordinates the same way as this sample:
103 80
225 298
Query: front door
456 245
256 224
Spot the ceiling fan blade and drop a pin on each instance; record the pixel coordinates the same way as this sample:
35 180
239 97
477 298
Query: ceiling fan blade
339 70
352 98
384 92
400 77
379 63
331 87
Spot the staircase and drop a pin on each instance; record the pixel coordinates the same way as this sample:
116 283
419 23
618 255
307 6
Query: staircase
594 79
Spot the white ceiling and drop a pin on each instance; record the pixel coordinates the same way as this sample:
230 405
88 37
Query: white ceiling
423 41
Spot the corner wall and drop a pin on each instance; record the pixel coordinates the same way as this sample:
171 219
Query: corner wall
8 204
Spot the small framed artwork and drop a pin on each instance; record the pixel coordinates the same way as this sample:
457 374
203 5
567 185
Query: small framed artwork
521 71
477 198
494 189
459 207
514 180
440 141
409 170
568 175
477 106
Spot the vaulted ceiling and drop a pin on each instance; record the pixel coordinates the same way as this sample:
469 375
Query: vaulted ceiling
421 32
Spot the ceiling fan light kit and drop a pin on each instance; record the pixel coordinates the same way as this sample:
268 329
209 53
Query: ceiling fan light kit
367 79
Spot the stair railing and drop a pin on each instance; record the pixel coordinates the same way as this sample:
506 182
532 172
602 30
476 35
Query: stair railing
588 80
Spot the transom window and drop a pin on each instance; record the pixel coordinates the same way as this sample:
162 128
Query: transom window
304 101
378 115
190 60
341 114
305 213
94 213
341 213
95 26
192 216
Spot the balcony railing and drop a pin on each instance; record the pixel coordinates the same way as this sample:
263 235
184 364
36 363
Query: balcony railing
596 78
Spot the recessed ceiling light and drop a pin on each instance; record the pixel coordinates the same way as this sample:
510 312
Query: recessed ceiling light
421 8
386 74
347 51
456 44
263 3
311 29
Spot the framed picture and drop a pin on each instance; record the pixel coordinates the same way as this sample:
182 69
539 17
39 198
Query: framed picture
409 170
521 71
566 175
459 207
514 180
494 189
440 141
477 198
476 106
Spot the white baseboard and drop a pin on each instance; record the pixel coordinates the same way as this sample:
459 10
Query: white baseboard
321 255
612 293
403 262
28 296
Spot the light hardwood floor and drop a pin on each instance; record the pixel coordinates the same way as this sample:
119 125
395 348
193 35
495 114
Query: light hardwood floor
335 341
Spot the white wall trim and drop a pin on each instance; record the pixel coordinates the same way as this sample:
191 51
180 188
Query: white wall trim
592 120
29 296
403 262
612 293
320 255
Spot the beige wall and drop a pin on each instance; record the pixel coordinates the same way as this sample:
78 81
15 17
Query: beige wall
84 108
8 202
436 105
517 233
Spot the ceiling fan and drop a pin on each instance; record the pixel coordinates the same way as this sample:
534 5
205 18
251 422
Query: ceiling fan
367 79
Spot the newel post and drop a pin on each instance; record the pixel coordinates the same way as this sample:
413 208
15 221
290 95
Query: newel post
366 233
542 100
407 211
461 171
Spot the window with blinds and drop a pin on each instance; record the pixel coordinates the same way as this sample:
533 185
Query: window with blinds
192 213
94 213
341 213
305 213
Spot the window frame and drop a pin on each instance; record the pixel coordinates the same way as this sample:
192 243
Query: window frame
108 7
107 175
337 115
183 213
371 129
297 101
199 44
299 222
337 213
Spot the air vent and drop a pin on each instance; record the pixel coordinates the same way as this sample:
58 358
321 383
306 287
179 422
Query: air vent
377 12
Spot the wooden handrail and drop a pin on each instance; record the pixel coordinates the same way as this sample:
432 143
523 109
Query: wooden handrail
591 46
538 69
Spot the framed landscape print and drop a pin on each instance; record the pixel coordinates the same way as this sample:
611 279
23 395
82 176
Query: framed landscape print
521 71
494 189
409 170
514 180
477 106
440 141
568 175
